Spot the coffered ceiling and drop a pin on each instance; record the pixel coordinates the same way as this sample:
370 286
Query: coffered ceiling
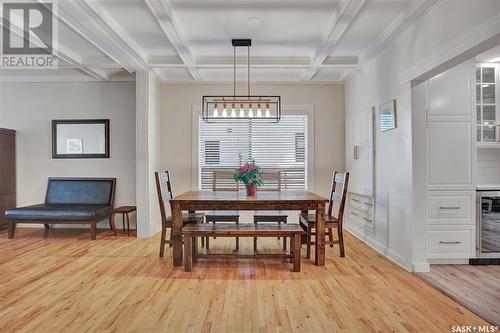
190 40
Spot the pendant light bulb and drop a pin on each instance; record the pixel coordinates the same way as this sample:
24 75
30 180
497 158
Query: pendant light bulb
242 111
250 111
268 113
224 111
233 111
259 111
216 111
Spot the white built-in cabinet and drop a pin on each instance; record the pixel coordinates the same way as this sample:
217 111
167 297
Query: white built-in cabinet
360 164
450 139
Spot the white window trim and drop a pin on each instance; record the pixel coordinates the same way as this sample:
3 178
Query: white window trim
306 109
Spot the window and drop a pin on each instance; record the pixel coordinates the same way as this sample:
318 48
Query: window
281 146
486 106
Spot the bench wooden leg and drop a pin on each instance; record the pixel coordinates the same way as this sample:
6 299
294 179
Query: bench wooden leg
296 252
12 229
47 227
93 230
188 252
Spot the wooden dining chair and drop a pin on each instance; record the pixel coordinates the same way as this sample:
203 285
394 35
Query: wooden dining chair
223 181
272 182
165 194
333 220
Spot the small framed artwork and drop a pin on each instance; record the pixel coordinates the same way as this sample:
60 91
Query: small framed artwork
387 116
74 146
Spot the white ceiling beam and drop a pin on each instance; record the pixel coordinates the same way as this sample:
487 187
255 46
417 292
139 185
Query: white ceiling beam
165 17
414 10
108 34
338 25
71 14
62 52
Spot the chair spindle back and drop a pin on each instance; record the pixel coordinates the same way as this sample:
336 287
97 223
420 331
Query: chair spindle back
223 181
338 194
164 190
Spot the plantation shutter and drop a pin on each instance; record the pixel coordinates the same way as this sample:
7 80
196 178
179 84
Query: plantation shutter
273 146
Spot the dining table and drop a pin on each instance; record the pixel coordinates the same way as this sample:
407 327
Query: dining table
288 200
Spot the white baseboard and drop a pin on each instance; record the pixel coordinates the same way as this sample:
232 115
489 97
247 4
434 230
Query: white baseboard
448 261
389 254
421 267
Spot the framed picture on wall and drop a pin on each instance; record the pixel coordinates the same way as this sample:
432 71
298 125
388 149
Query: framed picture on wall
80 138
387 116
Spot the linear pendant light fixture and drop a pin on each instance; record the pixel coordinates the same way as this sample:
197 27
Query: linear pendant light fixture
236 107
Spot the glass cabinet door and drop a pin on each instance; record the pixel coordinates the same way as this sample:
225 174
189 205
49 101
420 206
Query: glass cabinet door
486 105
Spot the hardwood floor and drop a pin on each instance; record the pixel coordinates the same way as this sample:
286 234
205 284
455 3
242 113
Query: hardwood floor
64 282
475 287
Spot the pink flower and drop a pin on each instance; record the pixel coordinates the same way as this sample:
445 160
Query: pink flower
251 166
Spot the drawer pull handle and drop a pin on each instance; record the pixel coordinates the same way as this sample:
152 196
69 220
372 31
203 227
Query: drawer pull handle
366 219
450 242
368 203
355 214
355 200
449 208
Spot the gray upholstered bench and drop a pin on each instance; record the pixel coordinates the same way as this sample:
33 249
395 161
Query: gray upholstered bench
69 201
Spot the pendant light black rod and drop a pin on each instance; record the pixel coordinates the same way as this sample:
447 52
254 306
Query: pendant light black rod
248 60
234 72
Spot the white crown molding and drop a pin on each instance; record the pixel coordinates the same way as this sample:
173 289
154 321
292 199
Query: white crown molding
338 25
165 18
488 31
396 26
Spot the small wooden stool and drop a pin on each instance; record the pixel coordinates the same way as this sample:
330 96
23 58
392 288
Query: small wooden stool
124 210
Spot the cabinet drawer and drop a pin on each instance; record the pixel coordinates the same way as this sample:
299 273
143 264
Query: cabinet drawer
361 216
361 209
361 202
457 208
450 242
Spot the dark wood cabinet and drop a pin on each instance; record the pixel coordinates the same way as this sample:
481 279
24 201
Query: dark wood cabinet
8 171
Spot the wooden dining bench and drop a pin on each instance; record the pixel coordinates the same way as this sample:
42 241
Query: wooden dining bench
192 231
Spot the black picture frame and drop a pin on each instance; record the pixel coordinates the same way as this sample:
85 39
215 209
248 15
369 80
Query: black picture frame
55 123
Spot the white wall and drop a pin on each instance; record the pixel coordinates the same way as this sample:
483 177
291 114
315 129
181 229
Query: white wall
488 166
329 131
424 45
29 108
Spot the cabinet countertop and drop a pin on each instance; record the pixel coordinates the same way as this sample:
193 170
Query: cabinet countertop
488 187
